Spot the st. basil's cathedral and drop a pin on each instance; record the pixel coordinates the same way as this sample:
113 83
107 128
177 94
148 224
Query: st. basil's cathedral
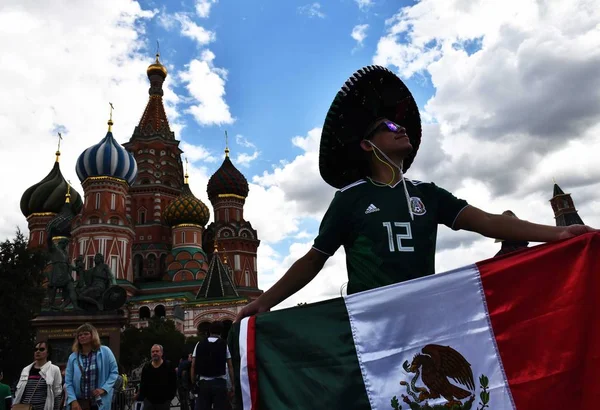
139 212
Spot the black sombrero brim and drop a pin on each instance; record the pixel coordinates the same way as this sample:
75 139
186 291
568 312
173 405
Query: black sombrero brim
370 93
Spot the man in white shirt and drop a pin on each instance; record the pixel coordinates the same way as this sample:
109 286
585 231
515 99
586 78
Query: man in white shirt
210 362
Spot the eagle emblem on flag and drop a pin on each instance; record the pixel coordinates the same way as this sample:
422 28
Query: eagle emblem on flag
435 365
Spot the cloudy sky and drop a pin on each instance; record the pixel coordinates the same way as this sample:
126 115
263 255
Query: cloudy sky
509 91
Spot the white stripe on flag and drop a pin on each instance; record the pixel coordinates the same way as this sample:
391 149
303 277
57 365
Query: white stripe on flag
392 326
244 380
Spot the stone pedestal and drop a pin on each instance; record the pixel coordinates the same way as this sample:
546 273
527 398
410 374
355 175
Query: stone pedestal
59 329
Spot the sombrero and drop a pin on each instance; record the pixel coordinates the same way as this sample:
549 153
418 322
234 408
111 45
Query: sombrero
370 93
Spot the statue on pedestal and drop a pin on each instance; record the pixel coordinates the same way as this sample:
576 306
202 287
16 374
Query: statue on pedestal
60 275
100 279
95 289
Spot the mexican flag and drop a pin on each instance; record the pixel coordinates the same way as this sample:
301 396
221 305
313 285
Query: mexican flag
520 331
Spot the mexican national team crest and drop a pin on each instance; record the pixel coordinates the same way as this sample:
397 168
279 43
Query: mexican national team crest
435 365
418 207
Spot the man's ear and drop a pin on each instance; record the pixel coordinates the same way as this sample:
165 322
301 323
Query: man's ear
366 145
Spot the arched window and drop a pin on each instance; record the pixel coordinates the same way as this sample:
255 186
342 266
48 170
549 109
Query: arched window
160 311
151 266
142 216
163 263
144 312
138 266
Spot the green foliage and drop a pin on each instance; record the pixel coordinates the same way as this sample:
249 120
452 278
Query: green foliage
136 343
21 296
484 396
396 403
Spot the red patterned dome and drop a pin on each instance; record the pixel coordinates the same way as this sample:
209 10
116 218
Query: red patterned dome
186 209
227 180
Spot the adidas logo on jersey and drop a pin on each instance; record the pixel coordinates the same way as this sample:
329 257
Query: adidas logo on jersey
371 208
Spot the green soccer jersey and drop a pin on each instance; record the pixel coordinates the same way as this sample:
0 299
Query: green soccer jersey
4 394
383 246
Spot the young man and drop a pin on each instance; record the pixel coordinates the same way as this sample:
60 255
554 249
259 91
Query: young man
210 363
386 223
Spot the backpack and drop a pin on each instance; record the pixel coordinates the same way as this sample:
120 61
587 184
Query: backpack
211 358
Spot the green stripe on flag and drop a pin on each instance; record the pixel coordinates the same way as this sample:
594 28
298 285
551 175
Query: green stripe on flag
324 374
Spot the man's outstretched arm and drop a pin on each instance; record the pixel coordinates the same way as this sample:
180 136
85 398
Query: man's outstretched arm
298 275
510 228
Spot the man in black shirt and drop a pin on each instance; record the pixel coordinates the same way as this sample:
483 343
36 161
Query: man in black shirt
210 363
159 382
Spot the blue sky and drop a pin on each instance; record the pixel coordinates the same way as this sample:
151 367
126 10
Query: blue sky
508 92
284 63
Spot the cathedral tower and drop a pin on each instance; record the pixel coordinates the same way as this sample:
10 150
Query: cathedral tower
565 213
227 191
187 216
42 201
106 170
159 181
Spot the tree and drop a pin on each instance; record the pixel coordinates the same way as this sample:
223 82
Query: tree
21 296
136 343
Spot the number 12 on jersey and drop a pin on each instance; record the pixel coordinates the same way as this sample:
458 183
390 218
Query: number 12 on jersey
407 234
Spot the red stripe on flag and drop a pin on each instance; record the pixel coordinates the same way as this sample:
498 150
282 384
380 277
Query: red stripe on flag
544 313
252 370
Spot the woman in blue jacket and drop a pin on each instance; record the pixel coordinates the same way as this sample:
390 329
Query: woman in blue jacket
91 372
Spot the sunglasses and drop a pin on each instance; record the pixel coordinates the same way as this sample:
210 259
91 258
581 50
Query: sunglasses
383 126
39 349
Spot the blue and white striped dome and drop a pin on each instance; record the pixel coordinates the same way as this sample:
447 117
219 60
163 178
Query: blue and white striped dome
107 158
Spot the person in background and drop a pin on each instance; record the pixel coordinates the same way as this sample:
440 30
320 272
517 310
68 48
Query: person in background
40 384
91 372
210 363
5 394
158 384
184 382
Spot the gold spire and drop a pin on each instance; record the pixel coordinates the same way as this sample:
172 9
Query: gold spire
186 176
226 144
157 64
216 246
110 121
58 149
68 195
224 256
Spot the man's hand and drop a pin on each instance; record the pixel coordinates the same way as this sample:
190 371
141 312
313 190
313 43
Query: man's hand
75 405
575 230
252 309
98 392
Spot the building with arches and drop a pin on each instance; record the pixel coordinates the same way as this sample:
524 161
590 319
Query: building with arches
139 212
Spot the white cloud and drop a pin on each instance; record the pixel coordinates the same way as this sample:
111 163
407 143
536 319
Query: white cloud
364 4
192 30
206 84
197 153
243 141
69 82
312 10
359 33
203 7
245 159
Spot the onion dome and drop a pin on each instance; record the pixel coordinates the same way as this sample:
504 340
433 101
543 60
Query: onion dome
227 181
48 195
107 158
186 209
157 68
60 225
